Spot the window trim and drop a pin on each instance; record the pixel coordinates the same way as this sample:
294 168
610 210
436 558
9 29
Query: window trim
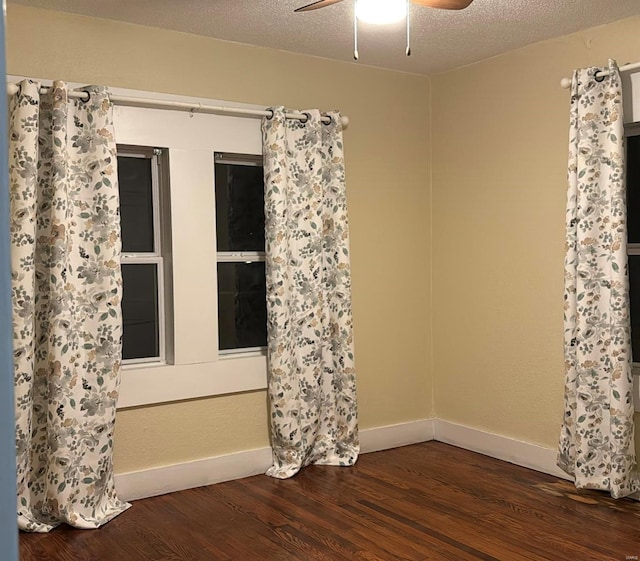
155 257
633 129
256 160
236 159
194 368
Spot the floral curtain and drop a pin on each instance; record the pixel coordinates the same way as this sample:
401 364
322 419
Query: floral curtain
66 285
312 389
596 442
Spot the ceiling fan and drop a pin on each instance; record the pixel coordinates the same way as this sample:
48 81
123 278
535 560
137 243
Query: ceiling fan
385 11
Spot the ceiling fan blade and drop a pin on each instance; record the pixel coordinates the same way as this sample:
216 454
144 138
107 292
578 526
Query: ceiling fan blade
444 4
317 5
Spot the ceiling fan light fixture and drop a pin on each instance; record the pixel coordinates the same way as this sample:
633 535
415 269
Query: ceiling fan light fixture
381 12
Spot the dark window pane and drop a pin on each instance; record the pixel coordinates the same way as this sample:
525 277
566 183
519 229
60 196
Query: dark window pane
136 204
633 188
634 289
141 326
239 207
242 305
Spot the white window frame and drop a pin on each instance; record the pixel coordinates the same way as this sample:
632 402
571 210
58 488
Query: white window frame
633 129
240 256
196 369
154 257
631 112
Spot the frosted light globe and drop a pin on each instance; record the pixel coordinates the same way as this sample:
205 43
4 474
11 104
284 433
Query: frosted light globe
381 11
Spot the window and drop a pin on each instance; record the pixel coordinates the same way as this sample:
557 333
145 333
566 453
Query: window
193 364
172 303
632 133
633 232
144 250
239 194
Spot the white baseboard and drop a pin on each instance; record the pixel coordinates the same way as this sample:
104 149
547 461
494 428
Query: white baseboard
187 475
167 479
392 436
500 447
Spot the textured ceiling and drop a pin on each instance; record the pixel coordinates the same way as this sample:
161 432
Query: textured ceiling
441 40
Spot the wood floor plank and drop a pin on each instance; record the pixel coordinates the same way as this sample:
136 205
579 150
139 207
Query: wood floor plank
332 519
427 502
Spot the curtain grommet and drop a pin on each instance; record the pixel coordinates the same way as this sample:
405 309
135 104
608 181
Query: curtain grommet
330 120
269 117
88 96
307 119
597 77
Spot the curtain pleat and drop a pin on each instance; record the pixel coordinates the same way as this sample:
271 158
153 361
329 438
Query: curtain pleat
312 389
66 283
596 441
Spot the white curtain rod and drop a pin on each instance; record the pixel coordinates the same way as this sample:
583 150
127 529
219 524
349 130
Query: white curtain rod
566 82
12 89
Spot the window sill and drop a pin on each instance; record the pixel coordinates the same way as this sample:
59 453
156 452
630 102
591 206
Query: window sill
150 383
137 365
232 354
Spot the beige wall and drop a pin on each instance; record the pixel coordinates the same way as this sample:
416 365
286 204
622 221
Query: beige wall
387 152
499 142
499 136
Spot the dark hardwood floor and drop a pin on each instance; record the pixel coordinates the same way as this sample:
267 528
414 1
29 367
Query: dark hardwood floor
427 501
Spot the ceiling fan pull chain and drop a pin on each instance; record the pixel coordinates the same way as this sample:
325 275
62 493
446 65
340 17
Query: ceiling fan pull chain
408 28
355 33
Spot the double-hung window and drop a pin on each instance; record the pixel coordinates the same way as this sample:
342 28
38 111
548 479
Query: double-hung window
141 173
632 133
633 232
239 195
184 338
